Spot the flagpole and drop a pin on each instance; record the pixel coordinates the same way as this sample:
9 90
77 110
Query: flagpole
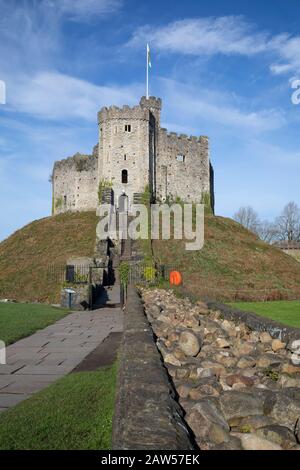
147 73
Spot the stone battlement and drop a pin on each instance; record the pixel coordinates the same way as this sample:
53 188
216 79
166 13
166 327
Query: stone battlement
79 160
202 139
126 112
151 102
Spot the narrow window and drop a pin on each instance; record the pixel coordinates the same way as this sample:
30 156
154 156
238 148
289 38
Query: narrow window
65 200
180 158
127 127
116 129
124 176
125 158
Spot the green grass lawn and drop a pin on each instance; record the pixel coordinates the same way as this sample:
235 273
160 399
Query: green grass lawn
287 312
20 320
74 413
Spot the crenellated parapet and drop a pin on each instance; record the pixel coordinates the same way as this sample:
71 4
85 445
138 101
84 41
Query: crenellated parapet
174 136
78 162
124 113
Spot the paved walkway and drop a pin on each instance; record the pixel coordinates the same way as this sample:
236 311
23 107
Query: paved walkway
35 362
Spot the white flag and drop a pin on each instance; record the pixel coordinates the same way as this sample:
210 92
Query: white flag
148 56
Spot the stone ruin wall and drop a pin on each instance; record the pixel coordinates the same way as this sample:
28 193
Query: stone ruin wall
75 183
187 179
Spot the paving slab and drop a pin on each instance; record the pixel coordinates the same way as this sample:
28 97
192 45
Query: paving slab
7 369
11 399
47 370
4 383
29 387
35 362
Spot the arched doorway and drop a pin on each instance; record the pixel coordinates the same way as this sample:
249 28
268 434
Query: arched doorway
123 203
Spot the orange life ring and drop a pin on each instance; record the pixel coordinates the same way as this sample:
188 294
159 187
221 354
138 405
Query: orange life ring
175 278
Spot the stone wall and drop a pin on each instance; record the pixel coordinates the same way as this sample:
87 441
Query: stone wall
256 322
147 415
239 385
75 184
183 167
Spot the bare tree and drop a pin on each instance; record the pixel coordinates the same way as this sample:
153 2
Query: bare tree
288 223
267 231
247 217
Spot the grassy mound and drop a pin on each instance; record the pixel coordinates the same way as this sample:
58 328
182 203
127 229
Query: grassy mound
25 257
233 264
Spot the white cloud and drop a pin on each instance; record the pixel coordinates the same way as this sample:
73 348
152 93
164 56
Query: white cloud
190 103
55 96
32 32
228 35
79 10
288 49
52 95
30 36
279 69
197 36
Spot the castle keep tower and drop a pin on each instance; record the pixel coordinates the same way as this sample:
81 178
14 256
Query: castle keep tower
127 148
135 152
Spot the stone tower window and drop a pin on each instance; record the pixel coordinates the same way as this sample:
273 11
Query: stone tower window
65 200
180 158
125 157
124 176
127 127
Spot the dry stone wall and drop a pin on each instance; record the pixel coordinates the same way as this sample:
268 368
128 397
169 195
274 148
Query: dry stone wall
239 386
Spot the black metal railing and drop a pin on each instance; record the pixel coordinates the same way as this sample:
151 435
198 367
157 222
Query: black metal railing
73 274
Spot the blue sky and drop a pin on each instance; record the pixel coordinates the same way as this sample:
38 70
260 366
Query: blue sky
223 68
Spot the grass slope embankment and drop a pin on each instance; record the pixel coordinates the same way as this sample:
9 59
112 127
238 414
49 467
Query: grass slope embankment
25 257
75 413
233 264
